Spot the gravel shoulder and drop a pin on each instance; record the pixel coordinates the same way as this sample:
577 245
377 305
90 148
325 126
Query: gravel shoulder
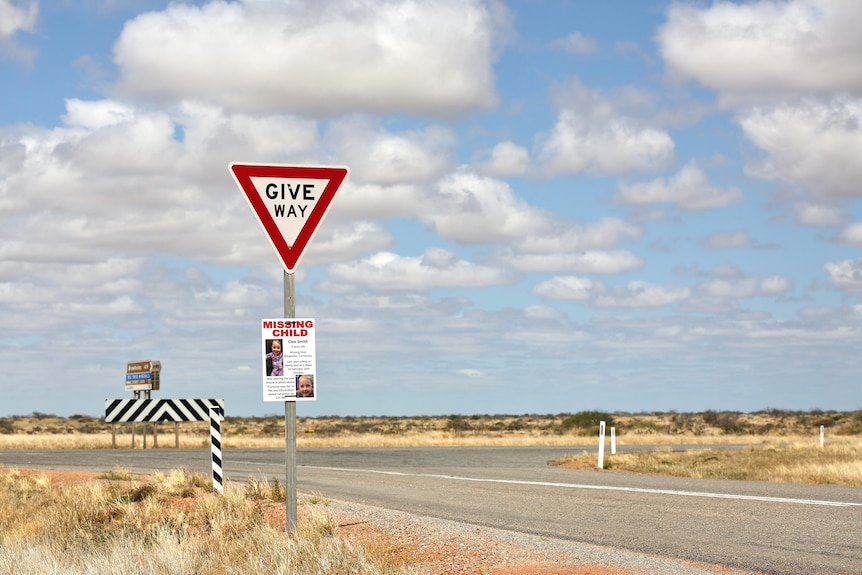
440 547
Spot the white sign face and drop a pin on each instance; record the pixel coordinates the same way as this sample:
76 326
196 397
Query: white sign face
289 201
289 360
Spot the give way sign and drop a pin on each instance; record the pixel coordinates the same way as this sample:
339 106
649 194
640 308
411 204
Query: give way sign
289 202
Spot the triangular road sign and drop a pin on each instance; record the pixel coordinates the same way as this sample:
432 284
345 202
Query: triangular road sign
289 202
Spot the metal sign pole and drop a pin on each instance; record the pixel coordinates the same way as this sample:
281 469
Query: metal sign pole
290 423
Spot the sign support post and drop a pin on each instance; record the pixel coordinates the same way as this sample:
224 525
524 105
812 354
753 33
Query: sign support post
289 423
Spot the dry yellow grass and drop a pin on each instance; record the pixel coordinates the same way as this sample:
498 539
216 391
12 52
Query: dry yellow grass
347 440
836 463
164 524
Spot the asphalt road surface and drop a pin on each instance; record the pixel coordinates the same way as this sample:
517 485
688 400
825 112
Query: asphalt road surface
773 528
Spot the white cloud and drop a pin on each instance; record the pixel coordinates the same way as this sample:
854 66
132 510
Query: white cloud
641 294
845 275
94 115
140 145
817 312
97 311
577 43
17 17
61 296
766 48
507 159
688 189
112 276
579 144
317 57
851 235
543 313
585 262
774 284
244 137
565 288
723 271
469 208
745 287
726 240
812 214
595 135
470 373
386 271
726 271
810 144
605 233
348 241
380 157
14 18
25 292
635 294
374 201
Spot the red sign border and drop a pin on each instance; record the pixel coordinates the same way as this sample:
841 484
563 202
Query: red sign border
289 255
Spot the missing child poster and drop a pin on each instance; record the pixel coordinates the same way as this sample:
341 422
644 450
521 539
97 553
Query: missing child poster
289 363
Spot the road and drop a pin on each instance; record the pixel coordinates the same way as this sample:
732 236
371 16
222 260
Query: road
773 528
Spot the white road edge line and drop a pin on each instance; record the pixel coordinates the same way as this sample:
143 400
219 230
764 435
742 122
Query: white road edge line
598 487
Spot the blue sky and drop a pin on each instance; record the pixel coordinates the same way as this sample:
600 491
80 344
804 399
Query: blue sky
552 206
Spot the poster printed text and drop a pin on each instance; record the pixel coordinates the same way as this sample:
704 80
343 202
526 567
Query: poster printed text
289 363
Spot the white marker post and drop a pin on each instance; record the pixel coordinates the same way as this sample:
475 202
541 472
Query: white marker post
821 435
613 440
601 464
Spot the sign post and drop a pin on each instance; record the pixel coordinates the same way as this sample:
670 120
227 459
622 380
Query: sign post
141 376
289 424
289 202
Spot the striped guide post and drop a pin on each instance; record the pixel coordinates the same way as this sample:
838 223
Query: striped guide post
124 410
215 443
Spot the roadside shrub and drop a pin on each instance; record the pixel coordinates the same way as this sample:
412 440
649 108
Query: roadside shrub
457 423
645 427
82 418
726 421
586 422
516 425
685 422
853 425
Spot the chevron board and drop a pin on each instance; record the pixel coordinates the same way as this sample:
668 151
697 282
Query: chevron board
122 410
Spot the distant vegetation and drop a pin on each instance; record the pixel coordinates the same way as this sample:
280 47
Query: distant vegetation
456 429
587 422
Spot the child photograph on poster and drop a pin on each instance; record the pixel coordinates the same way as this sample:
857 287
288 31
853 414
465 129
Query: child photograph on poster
305 386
